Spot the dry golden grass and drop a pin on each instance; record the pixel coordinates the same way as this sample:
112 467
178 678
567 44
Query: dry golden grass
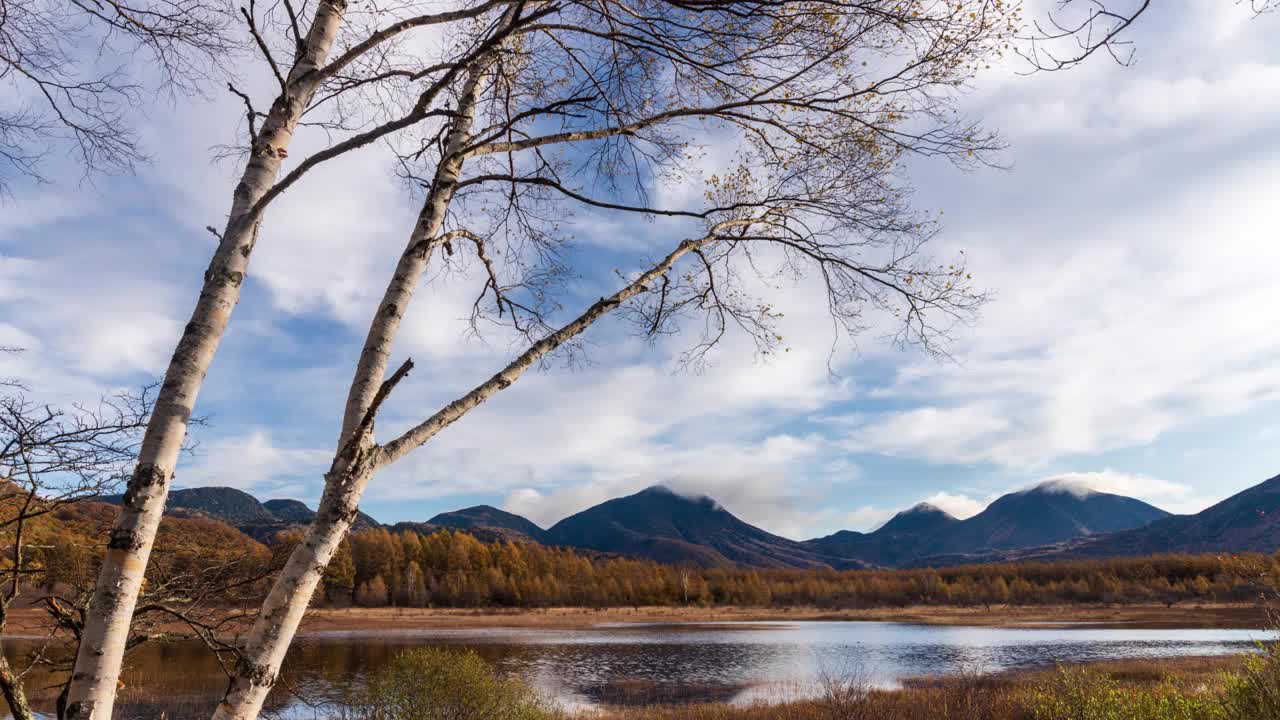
1000 696
1217 615
35 622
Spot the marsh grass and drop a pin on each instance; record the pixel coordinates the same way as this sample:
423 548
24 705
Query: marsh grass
1229 688
435 684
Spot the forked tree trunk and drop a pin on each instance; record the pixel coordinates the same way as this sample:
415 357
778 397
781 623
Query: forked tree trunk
264 647
101 653
357 463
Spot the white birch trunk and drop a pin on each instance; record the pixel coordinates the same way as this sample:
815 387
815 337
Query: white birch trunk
266 643
97 669
282 612
268 640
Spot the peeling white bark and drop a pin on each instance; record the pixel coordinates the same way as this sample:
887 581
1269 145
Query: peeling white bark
372 366
357 463
101 653
266 643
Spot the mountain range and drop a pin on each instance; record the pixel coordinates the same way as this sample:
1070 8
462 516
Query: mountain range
1050 521
239 509
660 524
1248 521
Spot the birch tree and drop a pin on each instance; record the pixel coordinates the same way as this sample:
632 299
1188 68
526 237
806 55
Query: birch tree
106 627
51 458
822 101
314 82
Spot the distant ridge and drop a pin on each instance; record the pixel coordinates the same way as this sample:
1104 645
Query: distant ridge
659 524
241 510
1054 520
898 540
920 519
491 518
1248 521
1048 513
293 511
232 506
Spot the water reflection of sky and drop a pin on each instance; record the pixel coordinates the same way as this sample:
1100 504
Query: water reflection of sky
726 662
745 662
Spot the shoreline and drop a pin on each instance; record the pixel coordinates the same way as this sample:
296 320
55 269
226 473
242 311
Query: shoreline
33 623
1223 615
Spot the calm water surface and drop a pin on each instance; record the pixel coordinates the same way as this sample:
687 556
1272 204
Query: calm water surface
619 664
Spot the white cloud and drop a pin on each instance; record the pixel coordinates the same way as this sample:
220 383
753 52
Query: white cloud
253 462
1107 338
627 421
1096 114
1172 496
42 207
867 517
86 319
959 505
1131 249
547 481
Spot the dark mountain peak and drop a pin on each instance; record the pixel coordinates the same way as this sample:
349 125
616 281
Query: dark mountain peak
842 535
290 511
1246 521
228 501
240 510
296 512
919 520
488 517
663 492
474 510
675 527
233 506
1051 512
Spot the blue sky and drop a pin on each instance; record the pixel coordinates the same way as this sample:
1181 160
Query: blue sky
1132 343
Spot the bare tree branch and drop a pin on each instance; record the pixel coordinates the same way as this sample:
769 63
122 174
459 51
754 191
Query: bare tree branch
1077 29
68 97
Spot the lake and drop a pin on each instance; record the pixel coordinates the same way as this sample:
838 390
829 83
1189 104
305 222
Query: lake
738 662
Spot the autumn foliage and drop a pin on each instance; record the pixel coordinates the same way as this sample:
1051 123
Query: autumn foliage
448 568
63 549
453 569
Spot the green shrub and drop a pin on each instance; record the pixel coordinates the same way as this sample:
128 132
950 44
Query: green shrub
1254 691
1085 694
438 684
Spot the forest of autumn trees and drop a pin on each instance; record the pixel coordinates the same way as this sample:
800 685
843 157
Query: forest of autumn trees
447 568
210 576
377 568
